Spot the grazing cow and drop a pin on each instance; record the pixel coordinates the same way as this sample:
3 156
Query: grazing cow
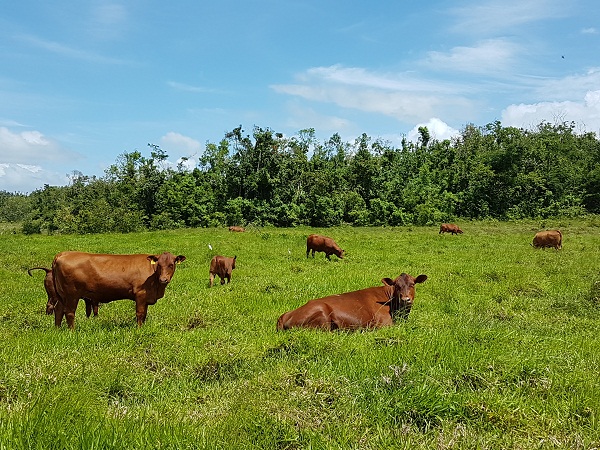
367 308
318 243
105 278
53 305
550 238
450 228
221 266
237 229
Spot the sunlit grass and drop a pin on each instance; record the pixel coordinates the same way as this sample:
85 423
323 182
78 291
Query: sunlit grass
500 350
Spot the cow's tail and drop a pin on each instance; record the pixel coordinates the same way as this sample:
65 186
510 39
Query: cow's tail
38 268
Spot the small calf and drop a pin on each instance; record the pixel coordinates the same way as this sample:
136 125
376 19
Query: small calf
221 266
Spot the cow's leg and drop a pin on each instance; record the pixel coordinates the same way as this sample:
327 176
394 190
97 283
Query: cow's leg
59 313
328 256
222 281
88 307
95 309
307 251
211 279
141 310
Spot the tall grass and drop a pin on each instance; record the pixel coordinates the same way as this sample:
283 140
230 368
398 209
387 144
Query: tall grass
500 350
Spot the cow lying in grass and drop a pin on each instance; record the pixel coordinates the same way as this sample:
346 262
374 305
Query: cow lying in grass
367 308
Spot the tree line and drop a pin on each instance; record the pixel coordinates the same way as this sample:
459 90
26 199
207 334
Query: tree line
266 178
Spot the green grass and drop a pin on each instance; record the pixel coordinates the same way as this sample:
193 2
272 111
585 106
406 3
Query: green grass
501 349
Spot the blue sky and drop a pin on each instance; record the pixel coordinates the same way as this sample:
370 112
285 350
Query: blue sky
83 82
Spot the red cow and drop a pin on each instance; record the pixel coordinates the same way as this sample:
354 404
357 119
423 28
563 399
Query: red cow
318 243
237 229
221 266
105 278
450 228
367 308
550 238
53 305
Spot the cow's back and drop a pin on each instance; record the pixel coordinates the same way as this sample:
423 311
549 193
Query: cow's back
548 238
356 309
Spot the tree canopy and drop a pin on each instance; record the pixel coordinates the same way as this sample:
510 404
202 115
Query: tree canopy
265 178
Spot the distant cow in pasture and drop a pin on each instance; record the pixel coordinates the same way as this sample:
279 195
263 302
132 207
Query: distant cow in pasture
450 228
237 229
372 307
221 266
105 278
53 305
549 238
318 243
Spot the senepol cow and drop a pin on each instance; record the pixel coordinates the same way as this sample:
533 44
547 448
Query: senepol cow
367 308
105 278
221 266
550 238
450 228
237 229
318 243
53 305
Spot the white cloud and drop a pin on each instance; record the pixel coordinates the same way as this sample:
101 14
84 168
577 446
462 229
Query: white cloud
180 144
488 56
31 146
572 87
438 130
68 51
590 30
25 158
25 178
494 15
403 96
585 112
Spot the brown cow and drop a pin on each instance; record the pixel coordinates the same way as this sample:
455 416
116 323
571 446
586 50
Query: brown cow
367 308
318 243
450 228
53 305
221 266
549 238
237 229
105 278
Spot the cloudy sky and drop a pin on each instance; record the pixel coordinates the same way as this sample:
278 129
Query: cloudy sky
83 82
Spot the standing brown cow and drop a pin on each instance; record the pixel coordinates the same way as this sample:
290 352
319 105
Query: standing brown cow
318 243
105 278
221 266
450 228
237 229
550 238
53 305
367 308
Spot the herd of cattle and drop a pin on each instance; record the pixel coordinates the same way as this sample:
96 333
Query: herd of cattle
103 278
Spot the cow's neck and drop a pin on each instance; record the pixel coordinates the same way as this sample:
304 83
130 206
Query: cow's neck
157 287
398 311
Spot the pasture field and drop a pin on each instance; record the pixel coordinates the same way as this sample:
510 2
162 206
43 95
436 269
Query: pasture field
501 349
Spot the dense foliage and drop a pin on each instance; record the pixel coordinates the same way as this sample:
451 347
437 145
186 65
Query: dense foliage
269 179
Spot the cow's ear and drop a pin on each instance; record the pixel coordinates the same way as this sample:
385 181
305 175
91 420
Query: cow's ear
420 278
387 281
179 259
152 259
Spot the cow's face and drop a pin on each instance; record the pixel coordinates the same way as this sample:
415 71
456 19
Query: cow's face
165 265
404 293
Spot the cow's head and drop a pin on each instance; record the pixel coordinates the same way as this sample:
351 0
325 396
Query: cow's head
233 262
404 293
164 266
340 253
